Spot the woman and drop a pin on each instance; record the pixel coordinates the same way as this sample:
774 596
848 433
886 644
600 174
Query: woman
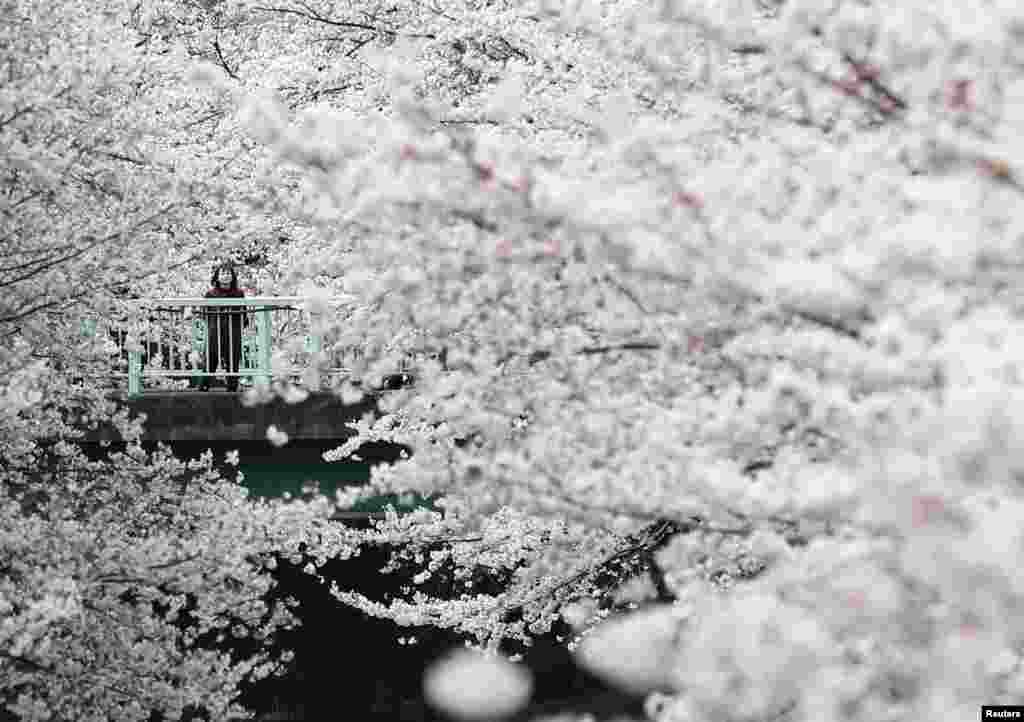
224 327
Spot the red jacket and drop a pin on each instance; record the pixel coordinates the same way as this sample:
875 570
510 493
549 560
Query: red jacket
220 316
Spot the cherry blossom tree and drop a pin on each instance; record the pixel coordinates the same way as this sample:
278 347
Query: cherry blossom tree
723 291
132 583
750 270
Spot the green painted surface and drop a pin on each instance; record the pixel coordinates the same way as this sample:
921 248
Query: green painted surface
270 472
268 479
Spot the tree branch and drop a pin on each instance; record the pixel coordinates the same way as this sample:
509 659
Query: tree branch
224 61
468 121
628 346
476 219
869 102
203 119
829 323
358 45
874 83
316 17
125 158
15 115
95 243
536 357
309 14
625 291
646 543
657 576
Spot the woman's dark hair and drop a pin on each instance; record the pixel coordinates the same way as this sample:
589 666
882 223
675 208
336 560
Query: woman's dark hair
234 276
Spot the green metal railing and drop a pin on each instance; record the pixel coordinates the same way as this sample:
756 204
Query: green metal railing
200 339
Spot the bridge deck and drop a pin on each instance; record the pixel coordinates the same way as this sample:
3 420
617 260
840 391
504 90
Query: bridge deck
221 416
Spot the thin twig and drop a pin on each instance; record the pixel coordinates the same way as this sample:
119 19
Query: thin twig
224 61
872 80
15 115
468 121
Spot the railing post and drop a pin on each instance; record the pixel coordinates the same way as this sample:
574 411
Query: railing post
263 328
199 341
312 376
250 355
134 373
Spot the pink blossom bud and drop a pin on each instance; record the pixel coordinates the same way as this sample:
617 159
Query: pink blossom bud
551 247
865 71
688 199
695 344
958 94
886 104
969 630
847 86
926 508
485 172
995 167
503 248
407 152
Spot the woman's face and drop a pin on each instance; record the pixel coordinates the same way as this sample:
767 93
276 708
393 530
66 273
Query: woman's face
224 277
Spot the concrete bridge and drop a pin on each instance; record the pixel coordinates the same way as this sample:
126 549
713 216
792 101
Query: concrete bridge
192 422
162 349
